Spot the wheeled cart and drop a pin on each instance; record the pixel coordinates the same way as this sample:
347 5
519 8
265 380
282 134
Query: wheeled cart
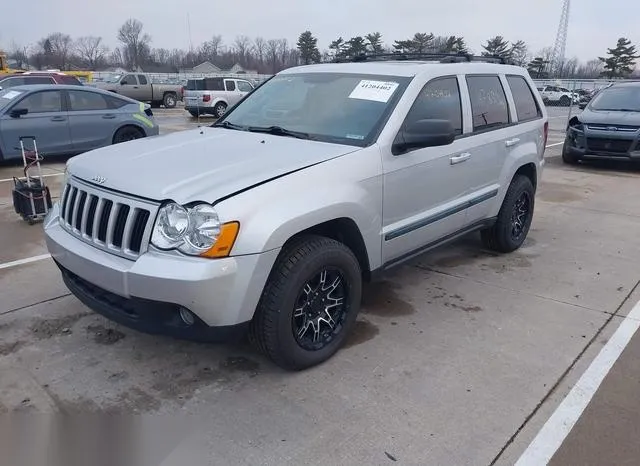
31 197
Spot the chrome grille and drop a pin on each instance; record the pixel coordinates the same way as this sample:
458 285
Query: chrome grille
113 222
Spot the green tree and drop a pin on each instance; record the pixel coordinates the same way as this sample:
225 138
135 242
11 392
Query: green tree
338 47
374 42
497 47
518 53
537 68
454 44
308 48
421 42
356 46
621 60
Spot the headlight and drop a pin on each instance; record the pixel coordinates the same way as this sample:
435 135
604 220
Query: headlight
195 231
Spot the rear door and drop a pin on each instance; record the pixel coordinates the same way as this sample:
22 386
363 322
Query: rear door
491 127
47 121
145 89
92 119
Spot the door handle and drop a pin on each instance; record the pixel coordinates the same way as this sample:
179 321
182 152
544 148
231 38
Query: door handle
511 142
460 158
135 87
58 118
108 117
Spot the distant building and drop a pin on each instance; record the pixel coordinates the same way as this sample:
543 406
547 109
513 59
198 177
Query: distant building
209 68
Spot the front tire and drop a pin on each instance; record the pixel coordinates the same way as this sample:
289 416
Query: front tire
567 157
514 219
565 101
309 304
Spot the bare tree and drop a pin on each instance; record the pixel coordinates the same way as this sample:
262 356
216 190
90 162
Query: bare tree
91 51
260 47
273 48
136 44
116 57
241 46
20 54
56 48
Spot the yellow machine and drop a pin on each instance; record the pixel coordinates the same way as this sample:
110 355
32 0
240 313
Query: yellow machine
85 76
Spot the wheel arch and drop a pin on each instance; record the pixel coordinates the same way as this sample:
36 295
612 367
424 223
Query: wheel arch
128 125
530 171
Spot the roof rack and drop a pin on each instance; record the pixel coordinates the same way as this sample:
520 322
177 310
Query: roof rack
427 56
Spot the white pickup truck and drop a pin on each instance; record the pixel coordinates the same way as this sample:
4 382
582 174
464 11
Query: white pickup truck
555 95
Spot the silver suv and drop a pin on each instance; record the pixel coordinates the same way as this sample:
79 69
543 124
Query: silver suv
212 96
324 177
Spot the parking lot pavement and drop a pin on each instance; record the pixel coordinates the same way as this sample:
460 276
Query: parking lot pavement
452 355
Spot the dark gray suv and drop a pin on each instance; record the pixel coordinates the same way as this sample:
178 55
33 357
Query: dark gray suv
608 128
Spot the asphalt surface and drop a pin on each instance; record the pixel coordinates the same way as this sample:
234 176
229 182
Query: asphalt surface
458 358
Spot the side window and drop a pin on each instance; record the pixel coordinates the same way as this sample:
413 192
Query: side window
214 84
526 106
244 86
143 79
438 100
10 82
115 102
129 80
42 102
230 85
87 101
488 102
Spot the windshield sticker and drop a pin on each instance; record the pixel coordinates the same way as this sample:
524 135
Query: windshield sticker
355 136
11 95
379 91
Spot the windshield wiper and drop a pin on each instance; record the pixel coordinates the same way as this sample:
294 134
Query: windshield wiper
228 125
279 131
618 109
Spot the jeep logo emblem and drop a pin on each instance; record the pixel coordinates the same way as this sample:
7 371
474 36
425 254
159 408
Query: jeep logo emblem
612 128
99 179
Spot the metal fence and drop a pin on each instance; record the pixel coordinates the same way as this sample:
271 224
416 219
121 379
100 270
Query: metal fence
179 78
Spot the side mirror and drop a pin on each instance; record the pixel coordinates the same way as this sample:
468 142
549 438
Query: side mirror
424 133
582 105
18 112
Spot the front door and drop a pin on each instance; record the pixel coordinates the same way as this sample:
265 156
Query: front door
131 88
424 188
46 120
233 94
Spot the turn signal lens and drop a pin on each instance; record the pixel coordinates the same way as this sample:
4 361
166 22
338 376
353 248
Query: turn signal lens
222 247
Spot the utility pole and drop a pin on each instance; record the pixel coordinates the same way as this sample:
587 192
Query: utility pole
559 48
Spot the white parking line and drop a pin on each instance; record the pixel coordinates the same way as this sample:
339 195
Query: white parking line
28 260
558 426
554 144
43 176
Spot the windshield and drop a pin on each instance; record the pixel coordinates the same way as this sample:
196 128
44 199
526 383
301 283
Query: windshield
330 107
113 79
7 96
621 99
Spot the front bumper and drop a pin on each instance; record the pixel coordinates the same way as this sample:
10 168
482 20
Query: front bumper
590 144
220 292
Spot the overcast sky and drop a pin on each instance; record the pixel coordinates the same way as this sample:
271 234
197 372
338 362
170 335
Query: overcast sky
594 25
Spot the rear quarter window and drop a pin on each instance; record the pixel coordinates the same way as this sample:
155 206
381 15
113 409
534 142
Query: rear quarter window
526 105
70 80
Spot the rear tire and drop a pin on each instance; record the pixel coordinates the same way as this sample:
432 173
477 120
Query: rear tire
127 133
514 219
567 157
194 114
565 101
220 109
170 100
303 319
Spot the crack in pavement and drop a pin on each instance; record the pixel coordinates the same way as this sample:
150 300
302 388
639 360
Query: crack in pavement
21 308
562 377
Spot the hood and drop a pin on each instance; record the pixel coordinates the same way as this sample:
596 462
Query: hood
599 117
203 164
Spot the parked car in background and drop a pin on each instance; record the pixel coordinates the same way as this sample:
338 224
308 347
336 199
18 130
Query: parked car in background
69 119
271 219
138 86
608 128
213 96
12 80
554 95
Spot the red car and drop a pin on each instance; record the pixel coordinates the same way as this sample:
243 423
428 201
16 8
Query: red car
37 77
